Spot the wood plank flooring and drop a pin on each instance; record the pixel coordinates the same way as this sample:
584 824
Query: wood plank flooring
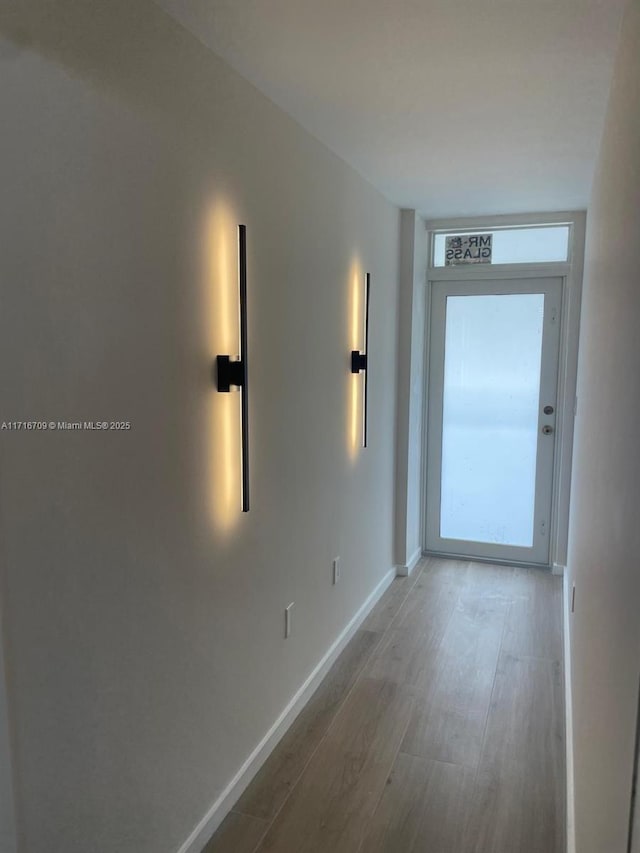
239 833
440 729
274 781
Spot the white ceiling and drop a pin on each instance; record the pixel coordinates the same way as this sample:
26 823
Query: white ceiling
453 107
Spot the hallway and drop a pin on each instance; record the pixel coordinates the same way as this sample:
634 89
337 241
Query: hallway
439 728
275 251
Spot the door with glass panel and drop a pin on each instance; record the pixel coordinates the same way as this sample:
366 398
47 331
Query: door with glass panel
493 381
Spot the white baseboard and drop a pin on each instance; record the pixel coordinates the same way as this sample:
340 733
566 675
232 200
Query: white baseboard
405 571
558 569
568 731
219 810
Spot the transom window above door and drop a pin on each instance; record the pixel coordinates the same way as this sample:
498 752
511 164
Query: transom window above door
516 245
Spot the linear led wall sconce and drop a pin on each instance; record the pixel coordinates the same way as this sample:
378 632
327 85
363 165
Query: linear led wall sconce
360 360
235 372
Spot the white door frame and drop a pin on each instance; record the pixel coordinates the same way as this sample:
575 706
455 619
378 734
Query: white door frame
551 291
571 275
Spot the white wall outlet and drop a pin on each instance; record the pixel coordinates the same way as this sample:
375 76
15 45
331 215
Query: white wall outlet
337 570
287 620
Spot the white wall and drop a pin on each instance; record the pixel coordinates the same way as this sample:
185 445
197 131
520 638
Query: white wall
411 332
604 544
144 629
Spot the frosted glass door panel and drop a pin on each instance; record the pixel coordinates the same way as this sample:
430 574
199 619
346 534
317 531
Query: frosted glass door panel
491 397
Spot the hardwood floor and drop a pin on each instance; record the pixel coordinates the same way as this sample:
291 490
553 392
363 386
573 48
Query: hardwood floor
239 833
275 779
440 729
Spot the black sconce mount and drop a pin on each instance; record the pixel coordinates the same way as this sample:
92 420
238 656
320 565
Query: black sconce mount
358 361
229 373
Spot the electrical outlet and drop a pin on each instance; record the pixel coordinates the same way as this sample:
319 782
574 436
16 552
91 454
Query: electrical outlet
287 620
337 570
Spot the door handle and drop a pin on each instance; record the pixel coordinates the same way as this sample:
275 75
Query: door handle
547 430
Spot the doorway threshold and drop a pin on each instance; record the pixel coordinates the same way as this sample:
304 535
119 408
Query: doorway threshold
517 564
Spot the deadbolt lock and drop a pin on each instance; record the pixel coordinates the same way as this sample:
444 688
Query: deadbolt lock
548 410
547 430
